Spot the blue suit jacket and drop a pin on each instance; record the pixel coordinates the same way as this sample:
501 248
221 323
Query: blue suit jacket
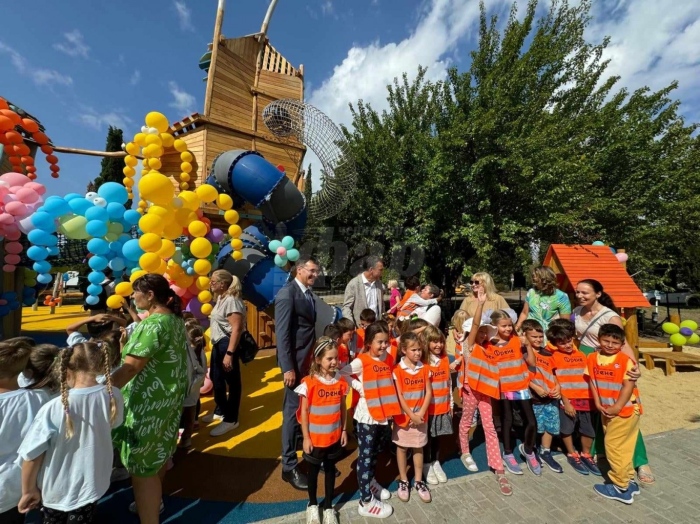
295 329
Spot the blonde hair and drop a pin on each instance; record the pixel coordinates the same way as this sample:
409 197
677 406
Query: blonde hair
488 285
86 357
392 284
233 283
323 345
14 355
499 315
433 334
547 280
458 320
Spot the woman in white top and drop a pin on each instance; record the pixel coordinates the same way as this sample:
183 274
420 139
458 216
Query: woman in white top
596 309
227 325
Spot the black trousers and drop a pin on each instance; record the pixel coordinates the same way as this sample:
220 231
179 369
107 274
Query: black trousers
11 516
227 405
528 415
84 515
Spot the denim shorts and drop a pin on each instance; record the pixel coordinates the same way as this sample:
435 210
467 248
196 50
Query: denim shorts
547 416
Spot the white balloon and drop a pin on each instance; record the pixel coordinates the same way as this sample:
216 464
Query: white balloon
25 225
91 196
99 202
153 131
123 146
177 202
144 129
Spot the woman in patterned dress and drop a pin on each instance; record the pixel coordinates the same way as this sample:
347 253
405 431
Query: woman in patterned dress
153 381
545 301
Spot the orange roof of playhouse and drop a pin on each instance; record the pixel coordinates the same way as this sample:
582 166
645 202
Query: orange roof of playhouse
578 262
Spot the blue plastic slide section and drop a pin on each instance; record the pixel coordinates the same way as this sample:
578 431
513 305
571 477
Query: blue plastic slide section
247 174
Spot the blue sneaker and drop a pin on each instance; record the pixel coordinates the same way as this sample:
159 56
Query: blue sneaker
590 464
576 463
512 464
547 458
633 488
531 460
612 492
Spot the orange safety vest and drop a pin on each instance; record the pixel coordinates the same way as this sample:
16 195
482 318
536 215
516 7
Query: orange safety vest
324 402
608 381
569 369
393 348
360 340
343 356
442 387
413 390
544 374
482 372
408 294
513 374
378 385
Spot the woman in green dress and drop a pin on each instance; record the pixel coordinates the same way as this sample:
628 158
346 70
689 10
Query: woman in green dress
544 301
153 381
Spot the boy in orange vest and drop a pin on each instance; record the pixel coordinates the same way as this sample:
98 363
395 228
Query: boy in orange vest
545 392
617 399
570 367
367 318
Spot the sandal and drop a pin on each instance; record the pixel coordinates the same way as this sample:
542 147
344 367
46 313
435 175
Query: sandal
645 475
504 485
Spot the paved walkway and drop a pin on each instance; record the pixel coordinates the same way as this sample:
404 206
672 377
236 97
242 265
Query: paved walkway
557 498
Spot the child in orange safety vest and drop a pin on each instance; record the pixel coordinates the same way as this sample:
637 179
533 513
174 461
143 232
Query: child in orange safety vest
370 375
617 399
570 366
415 392
321 415
441 406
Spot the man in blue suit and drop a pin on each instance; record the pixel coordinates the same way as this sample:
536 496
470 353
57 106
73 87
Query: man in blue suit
295 319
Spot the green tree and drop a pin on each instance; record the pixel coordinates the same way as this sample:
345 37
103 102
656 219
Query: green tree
112 167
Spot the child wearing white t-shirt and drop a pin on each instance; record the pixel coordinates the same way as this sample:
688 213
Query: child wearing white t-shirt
67 452
18 407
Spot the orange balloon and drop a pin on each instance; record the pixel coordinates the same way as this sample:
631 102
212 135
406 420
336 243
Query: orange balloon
52 159
30 125
31 176
5 124
3 104
13 137
54 168
40 138
30 169
9 113
46 149
22 149
15 160
27 160
53 175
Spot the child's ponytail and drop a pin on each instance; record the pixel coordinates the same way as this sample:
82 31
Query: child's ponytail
65 357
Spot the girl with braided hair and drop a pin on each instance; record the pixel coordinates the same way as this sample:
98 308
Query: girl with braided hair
67 451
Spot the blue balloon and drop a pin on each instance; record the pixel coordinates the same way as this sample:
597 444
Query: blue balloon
92 300
51 241
96 228
80 205
39 237
71 196
42 220
53 251
94 289
115 210
132 251
117 264
598 243
97 213
288 242
113 192
190 271
96 277
10 295
613 250
98 246
4 310
56 206
42 266
132 217
44 278
97 263
37 253
274 245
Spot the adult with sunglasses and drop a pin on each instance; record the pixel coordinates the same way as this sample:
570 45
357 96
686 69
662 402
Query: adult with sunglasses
483 283
295 321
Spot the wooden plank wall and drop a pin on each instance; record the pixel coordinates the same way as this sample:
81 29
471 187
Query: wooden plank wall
246 47
171 160
232 101
261 325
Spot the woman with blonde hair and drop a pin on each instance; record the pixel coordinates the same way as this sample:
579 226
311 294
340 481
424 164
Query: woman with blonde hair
483 282
227 325
545 301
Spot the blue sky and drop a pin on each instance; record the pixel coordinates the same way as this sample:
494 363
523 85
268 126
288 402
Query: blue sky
82 65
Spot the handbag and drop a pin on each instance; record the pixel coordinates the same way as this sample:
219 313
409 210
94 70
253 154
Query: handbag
247 347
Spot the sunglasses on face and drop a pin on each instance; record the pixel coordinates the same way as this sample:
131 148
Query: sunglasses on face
475 282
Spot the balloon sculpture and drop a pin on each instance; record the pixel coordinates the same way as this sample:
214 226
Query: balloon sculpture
284 251
682 334
621 257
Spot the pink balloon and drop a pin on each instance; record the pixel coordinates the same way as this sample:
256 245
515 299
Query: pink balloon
16 209
8 268
14 248
15 179
621 257
12 233
36 186
178 290
13 259
27 195
3 302
6 218
281 251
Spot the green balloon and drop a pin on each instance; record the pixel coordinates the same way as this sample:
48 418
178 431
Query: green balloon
693 339
670 328
689 324
678 340
74 228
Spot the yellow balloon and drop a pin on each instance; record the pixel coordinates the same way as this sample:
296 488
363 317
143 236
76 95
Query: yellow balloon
185 167
197 228
184 186
184 216
167 249
204 296
131 161
223 201
143 204
162 268
237 243
157 120
124 289
150 223
128 171
144 163
172 230
184 177
206 192
180 145
155 163
150 242
200 247
206 311
235 230
231 216
149 262
159 210
153 139
186 156
190 200
140 139
202 267
136 274
132 148
237 255
157 188
186 281
128 183
115 302
203 283
167 139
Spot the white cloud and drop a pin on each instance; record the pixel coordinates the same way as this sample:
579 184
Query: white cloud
39 76
327 7
135 78
184 14
183 102
100 121
74 45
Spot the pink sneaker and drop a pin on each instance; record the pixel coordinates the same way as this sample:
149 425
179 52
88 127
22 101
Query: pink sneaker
404 491
423 492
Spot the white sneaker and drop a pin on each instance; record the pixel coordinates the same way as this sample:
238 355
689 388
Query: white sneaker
429 474
375 508
132 508
439 472
468 462
329 517
378 491
119 474
223 428
312 515
211 417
